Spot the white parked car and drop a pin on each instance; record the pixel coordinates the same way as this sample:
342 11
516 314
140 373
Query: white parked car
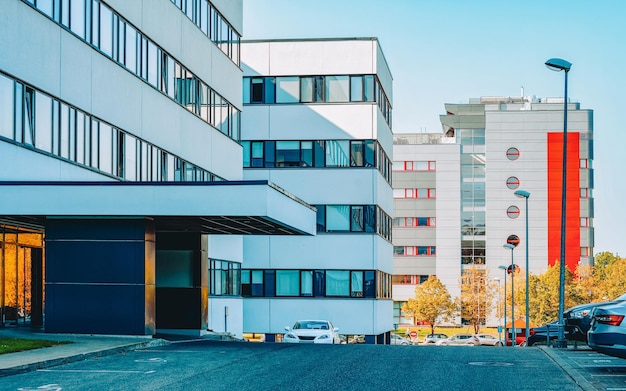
398 340
312 331
459 339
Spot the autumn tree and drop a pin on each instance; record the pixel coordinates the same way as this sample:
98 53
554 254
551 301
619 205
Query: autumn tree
544 294
432 303
477 296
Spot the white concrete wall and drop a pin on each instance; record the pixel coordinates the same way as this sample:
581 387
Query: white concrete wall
351 316
226 320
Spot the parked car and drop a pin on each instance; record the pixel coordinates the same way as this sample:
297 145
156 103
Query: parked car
398 340
607 333
488 340
312 331
540 334
433 338
459 339
578 318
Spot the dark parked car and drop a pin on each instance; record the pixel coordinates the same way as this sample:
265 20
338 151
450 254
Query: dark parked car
608 330
578 318
540 334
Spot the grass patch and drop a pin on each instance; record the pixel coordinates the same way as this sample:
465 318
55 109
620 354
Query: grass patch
12 345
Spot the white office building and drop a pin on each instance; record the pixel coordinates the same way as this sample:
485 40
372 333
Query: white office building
317 122
122 200
454 192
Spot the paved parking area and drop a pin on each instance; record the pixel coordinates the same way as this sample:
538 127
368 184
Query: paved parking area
591 370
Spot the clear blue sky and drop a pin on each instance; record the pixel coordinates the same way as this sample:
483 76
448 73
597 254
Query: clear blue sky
445 51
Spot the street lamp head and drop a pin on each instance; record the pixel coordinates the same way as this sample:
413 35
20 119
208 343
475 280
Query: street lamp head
558 64
508 246
502 267
522 193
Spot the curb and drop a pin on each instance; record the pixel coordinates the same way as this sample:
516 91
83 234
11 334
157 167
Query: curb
79 357
572 372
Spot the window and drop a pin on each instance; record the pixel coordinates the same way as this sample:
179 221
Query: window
337 283
224 278
6 107
415 193
512 212
512 154
584 163
287 153
287 283
585 193
338 153
337 218
584 251
337 88
287 89
512 182
402 222
584 221
312 89
356 284
415 250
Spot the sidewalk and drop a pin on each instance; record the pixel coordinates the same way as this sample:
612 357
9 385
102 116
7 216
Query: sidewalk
81 347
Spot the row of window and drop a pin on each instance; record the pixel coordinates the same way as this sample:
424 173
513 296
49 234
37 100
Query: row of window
427 165
36 120
415 193
402 222
316 154
316 89
97 24
408 279
354 218
224 278
412 251
372 284
208 19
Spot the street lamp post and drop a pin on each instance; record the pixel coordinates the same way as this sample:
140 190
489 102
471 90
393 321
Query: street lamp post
526 195
512 270
558 64
499 313
505 273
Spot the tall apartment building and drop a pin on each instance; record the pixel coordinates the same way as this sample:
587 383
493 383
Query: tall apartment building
121 170
317 122
491 147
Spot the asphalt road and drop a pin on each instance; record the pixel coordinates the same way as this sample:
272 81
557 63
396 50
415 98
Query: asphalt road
207 365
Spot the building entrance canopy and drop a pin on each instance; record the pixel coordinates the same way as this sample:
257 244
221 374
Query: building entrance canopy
220 208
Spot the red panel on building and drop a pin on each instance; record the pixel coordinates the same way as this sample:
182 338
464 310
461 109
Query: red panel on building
572 214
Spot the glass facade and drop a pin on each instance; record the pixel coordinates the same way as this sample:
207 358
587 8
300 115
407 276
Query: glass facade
316 154
316 89
372 284
473 251
354 218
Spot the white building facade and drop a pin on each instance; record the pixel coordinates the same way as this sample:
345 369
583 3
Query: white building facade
317 122
121 167
499 145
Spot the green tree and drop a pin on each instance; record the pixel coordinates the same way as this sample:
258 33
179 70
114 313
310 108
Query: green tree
432 303
477 296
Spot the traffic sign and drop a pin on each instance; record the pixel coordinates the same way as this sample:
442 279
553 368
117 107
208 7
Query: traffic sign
511 268
413 334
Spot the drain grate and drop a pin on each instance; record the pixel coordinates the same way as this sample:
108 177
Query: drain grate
490 363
